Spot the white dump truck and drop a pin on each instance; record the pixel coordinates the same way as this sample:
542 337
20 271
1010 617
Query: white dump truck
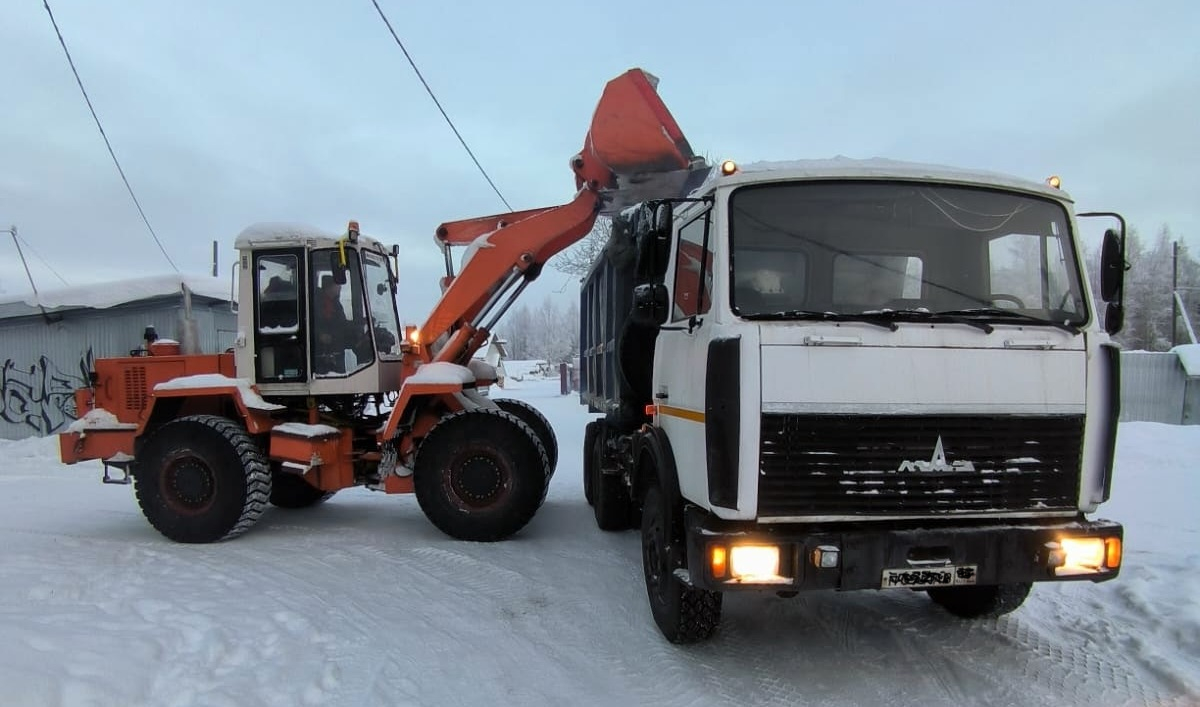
853 374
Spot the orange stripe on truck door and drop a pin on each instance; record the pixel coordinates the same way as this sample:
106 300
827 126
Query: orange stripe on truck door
682 413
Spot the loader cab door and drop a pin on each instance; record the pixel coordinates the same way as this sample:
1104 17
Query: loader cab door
340 336
280 331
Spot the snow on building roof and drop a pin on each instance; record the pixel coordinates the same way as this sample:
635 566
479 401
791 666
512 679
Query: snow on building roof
110 294
841 167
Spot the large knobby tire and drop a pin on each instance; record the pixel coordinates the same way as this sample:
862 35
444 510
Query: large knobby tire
480 474
537 422
611 500
981 602
293 491
683 614
201 479
590 434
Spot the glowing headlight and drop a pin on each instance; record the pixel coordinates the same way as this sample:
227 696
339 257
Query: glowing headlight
1083 553
754 563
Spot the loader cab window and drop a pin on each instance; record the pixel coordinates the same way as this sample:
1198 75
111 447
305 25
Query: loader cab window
279 329
693 270
341 341
385 325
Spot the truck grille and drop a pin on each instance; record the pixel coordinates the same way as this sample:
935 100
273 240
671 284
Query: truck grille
869 465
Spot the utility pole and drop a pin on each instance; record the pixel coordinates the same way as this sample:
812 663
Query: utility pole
1174 289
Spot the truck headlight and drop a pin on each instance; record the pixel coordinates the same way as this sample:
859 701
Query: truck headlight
1086 555
754 563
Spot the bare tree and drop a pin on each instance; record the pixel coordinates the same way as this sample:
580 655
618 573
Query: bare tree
579 258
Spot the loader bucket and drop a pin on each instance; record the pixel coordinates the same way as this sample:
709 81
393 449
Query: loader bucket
634 149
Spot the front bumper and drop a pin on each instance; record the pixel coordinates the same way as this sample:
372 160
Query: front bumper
1001 553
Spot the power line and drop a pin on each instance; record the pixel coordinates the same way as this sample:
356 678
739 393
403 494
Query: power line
39 257
438 103
107 144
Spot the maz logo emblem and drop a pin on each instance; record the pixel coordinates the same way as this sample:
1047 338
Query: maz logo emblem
937 463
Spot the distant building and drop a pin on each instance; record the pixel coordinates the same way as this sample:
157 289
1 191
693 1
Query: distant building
47 344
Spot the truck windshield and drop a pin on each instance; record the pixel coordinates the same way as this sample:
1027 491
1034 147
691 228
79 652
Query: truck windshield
902 250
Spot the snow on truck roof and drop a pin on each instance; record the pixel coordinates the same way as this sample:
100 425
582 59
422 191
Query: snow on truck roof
874 168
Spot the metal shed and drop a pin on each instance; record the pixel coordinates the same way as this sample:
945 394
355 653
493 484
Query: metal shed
47 343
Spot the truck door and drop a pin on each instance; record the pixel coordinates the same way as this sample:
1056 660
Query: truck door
682 353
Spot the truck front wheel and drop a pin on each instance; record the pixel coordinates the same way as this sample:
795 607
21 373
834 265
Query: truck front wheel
981 602
480 474
683 614
201 479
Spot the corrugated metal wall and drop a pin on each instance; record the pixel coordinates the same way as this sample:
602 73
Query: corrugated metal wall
44 363
1154 388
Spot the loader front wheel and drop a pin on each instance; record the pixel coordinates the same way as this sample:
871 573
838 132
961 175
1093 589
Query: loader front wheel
480 474
537 422
201 479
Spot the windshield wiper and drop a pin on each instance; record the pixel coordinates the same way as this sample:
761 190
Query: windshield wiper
934 317
998 313
865 317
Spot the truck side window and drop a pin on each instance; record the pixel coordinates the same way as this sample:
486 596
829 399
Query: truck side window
693 257
1030 272
870 280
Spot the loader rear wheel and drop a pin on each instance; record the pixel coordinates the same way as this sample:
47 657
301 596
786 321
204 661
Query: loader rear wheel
201 479
537 422
684 614
985 602
480 474
292 491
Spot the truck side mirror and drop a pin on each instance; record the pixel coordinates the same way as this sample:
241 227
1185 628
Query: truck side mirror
664 220
650 304
1112 267
1114 317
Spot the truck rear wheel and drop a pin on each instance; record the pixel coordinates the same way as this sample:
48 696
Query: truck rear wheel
292 491
201 479
590 433
611 501
981 602
480 474
683 614
537 422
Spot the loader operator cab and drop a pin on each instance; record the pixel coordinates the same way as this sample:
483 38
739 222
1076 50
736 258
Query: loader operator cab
322 314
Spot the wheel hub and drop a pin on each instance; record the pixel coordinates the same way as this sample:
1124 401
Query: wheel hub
478 480
190 484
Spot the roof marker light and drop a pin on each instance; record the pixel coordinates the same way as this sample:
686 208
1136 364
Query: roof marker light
1054 181
728 167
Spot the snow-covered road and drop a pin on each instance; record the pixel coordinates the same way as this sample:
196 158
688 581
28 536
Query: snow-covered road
362 602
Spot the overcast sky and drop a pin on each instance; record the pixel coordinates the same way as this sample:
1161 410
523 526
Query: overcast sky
229 112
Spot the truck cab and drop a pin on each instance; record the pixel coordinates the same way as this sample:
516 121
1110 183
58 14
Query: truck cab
850 374
319 312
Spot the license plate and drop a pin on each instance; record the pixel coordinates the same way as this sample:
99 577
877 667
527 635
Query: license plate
912 578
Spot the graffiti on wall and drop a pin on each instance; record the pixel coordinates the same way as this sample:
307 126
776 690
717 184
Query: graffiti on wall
41 396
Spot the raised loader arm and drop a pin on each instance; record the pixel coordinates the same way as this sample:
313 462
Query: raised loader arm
634 150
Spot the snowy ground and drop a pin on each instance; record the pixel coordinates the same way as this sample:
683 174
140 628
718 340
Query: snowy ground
362 602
